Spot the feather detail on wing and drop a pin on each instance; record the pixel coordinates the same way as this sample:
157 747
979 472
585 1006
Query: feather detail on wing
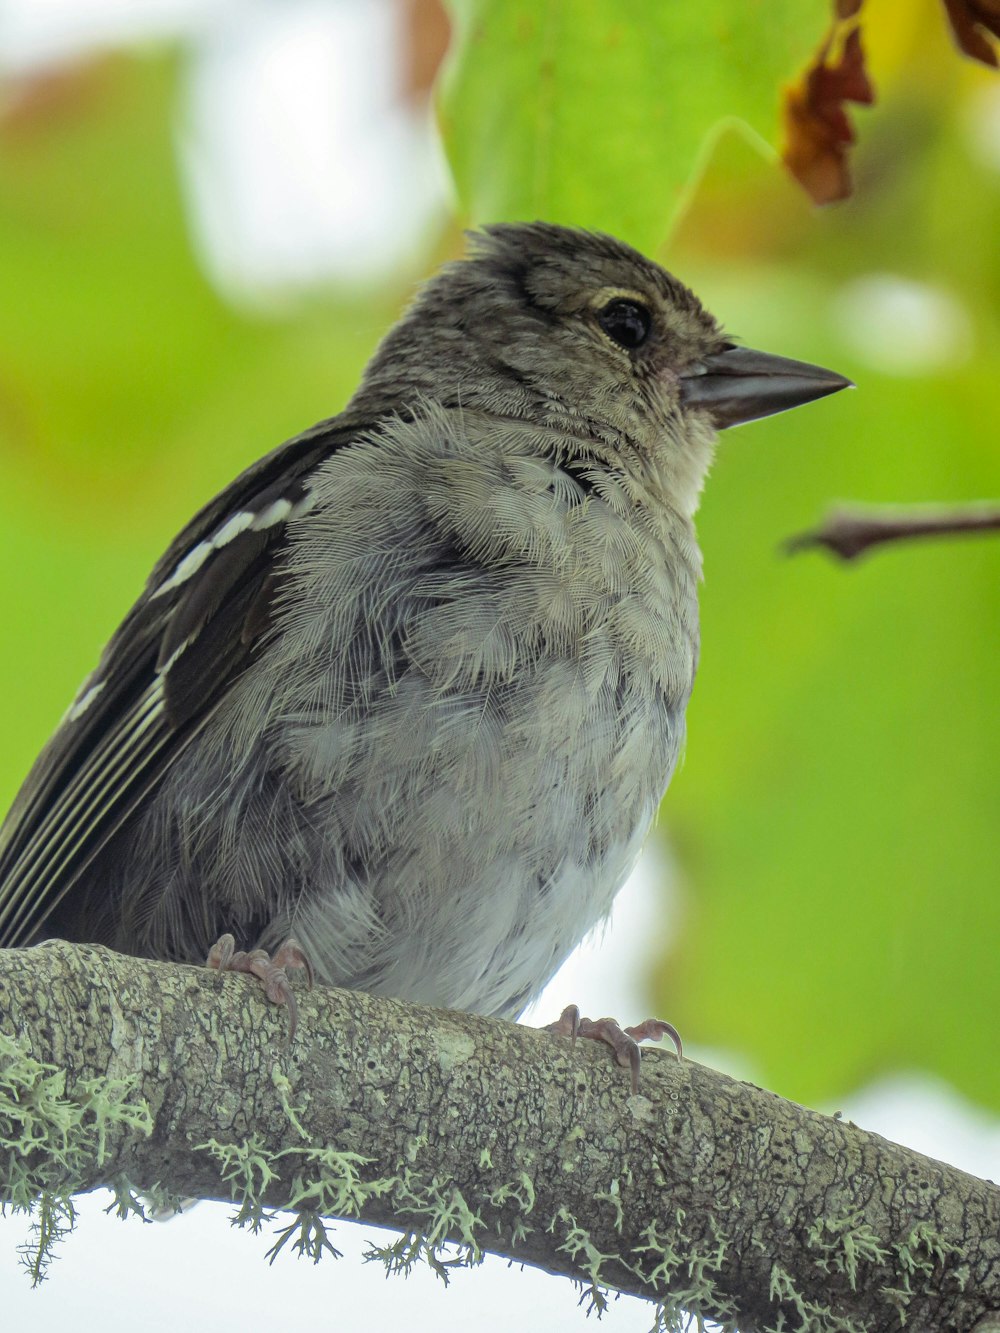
197 625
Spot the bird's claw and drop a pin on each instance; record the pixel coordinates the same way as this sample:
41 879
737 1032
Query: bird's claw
270 972
567 1024
623 1041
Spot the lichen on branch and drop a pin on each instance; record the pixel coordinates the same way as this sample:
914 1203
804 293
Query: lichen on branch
467 1136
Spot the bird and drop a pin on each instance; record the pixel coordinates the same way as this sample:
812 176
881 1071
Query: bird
401 702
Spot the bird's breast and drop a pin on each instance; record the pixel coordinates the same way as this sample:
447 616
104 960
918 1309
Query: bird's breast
492 711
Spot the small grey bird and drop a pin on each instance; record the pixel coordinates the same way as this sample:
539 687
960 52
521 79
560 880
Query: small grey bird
411 688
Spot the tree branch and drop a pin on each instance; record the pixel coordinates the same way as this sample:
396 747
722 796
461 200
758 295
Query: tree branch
850 532
701 1192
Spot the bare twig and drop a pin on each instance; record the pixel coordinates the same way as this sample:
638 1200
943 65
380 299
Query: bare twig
850 532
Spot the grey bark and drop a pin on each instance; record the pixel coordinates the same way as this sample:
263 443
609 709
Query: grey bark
700 1192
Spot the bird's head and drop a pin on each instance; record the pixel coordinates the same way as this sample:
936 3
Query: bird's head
578 331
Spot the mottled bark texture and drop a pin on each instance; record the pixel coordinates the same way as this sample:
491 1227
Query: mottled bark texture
701 1192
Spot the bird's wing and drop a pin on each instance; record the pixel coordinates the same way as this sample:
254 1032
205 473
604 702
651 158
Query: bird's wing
196 626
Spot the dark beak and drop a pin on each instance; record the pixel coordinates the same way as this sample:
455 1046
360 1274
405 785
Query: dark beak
740 385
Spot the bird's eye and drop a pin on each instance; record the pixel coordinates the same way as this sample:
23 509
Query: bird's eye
626 322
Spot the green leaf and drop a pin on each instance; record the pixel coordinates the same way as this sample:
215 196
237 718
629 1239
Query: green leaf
600 113
129 391
838 812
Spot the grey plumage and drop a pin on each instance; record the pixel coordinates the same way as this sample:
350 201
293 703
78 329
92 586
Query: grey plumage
412 688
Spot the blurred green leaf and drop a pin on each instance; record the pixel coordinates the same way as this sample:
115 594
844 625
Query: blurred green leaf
129 391
838 810
600 114
838 813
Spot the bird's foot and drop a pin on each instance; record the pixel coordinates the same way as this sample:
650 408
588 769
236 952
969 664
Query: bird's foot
623 1041
270 972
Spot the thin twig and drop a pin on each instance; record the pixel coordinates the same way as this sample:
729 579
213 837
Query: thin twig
850 532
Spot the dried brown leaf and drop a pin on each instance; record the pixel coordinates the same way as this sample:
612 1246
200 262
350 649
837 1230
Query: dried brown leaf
974 24
426 32
49 95
818 130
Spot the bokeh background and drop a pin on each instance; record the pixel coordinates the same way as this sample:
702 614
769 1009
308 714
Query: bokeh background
209 213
